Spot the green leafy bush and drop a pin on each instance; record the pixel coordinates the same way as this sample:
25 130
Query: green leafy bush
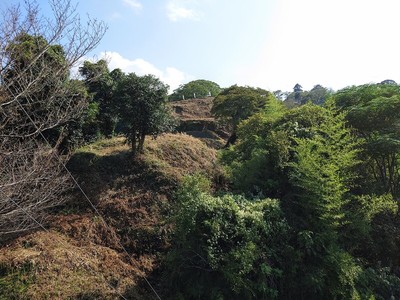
225 247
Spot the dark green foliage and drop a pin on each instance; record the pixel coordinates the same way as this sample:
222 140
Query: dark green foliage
309 158
46 73
373 111
24 51
238 103
82 127
379 284
54 101
320 177
195 89
225 247
124 103
317 95
101 84
258 162
142 108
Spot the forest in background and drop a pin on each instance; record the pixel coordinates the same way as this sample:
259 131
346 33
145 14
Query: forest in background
299 201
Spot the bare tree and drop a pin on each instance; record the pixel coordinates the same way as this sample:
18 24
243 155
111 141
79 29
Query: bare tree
37 95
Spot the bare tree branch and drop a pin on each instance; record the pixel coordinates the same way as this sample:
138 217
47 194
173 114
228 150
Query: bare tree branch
37 94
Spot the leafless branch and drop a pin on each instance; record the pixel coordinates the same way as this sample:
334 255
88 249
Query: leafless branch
36 94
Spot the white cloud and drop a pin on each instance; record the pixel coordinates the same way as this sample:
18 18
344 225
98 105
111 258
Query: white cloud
171 76
134 4
115 16
177 10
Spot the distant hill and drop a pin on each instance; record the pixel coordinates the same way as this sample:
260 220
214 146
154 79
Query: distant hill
195 119
193 109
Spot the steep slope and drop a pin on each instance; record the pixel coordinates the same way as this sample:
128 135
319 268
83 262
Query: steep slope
81 257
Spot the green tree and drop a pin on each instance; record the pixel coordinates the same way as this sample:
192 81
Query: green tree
373 111
101 85
195 89
297 90
248 164
306 157
48 74
258 162
317 95
41 70
143 108
321 176
238 103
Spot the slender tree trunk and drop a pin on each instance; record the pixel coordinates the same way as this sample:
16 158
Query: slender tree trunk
141 142
133 143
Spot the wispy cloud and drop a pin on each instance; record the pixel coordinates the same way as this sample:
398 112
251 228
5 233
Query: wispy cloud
178 10
134 4
171 76
115 16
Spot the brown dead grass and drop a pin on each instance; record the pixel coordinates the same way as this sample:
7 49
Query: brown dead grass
177 155
196 120
63 270
193 109
105 147
82 258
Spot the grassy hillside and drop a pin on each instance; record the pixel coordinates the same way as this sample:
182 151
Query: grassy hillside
193 109
196 120
80 257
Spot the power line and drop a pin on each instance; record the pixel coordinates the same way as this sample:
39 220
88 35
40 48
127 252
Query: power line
64 244
84 194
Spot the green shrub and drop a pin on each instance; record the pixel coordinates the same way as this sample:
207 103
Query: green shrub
225 247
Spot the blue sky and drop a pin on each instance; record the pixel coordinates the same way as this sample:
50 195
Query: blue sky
273 44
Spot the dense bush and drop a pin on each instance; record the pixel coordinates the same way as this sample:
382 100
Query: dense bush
225 247
310 159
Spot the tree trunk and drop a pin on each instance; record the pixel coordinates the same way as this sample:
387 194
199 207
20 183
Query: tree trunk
232 139
141 142
133 143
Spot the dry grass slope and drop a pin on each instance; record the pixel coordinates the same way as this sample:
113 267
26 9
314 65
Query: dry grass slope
196 120
193 109
50 265
80 258
177 155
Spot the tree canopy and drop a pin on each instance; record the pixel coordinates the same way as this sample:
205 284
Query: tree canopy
238 103
309 159
142 108
195 89
101 84
373 111
317 95
225 247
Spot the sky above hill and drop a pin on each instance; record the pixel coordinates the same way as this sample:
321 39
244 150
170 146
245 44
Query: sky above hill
272 44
